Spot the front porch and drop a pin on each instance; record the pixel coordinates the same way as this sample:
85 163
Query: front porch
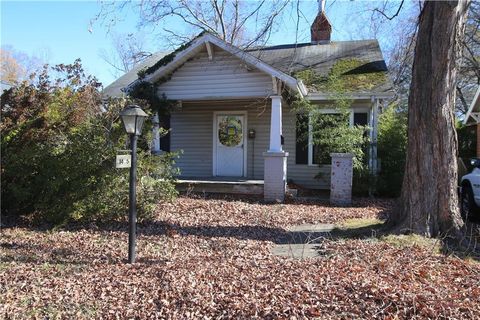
230 146
212 160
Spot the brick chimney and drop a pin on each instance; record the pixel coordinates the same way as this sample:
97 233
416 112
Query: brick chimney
321 28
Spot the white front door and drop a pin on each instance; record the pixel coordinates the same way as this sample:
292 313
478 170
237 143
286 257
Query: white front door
230 145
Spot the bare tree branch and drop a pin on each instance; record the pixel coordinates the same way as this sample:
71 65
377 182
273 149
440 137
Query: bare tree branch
220 18
393 16
228 19
127 51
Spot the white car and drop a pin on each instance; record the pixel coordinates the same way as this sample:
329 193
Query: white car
470 192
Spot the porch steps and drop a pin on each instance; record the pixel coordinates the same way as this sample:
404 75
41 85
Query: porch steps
248 187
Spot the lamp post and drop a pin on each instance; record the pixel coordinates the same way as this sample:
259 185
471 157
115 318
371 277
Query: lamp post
133 118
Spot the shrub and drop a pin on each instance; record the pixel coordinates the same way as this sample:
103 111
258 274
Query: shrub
332 133
467 142
59 142
392 147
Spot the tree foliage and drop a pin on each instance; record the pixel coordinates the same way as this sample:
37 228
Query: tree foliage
467 141
16 66
392 145
10 70
59 142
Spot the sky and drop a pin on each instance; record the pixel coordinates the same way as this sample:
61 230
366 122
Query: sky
58 31
61 31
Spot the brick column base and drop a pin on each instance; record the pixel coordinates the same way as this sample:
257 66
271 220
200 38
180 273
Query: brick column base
275 176
341 179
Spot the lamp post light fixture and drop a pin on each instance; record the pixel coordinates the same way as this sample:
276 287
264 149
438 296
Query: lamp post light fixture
133 118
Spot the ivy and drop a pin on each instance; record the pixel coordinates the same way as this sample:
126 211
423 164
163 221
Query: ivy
167 58
346 75
148 92
163 61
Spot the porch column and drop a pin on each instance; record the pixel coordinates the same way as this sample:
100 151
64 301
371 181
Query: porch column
156 134
275 169
276 125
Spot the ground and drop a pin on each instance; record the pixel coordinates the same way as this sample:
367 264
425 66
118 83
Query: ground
212 258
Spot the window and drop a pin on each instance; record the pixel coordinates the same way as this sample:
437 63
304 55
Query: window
230 133
360 119
301 147
165 140
305 151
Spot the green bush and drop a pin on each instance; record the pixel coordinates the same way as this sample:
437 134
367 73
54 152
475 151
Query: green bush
392 146
467 142
332 133
59 141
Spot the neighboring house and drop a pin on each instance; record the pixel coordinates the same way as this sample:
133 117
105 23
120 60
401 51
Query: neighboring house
232 119
473 117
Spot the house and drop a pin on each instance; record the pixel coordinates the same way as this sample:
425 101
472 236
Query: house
473 117
232 119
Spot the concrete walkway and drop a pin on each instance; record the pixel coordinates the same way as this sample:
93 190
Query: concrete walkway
302 241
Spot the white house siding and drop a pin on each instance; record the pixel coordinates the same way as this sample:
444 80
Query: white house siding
223 77
191 133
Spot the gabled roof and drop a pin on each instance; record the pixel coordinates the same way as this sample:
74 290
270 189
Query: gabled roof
473 113
198 44
114 89
282 62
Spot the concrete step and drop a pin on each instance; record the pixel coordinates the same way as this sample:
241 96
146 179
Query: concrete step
252 187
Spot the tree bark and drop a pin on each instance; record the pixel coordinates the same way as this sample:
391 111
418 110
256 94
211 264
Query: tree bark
429 200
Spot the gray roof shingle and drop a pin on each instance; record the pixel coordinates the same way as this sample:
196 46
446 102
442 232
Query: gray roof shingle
114 89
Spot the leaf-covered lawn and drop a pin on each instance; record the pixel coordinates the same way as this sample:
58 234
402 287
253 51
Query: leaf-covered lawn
212 259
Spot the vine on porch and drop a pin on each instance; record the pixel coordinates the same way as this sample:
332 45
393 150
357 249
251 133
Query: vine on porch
148 92
167 58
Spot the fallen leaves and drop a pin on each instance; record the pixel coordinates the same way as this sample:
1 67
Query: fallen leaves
211 258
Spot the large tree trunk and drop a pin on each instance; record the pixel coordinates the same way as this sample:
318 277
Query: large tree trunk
429 201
